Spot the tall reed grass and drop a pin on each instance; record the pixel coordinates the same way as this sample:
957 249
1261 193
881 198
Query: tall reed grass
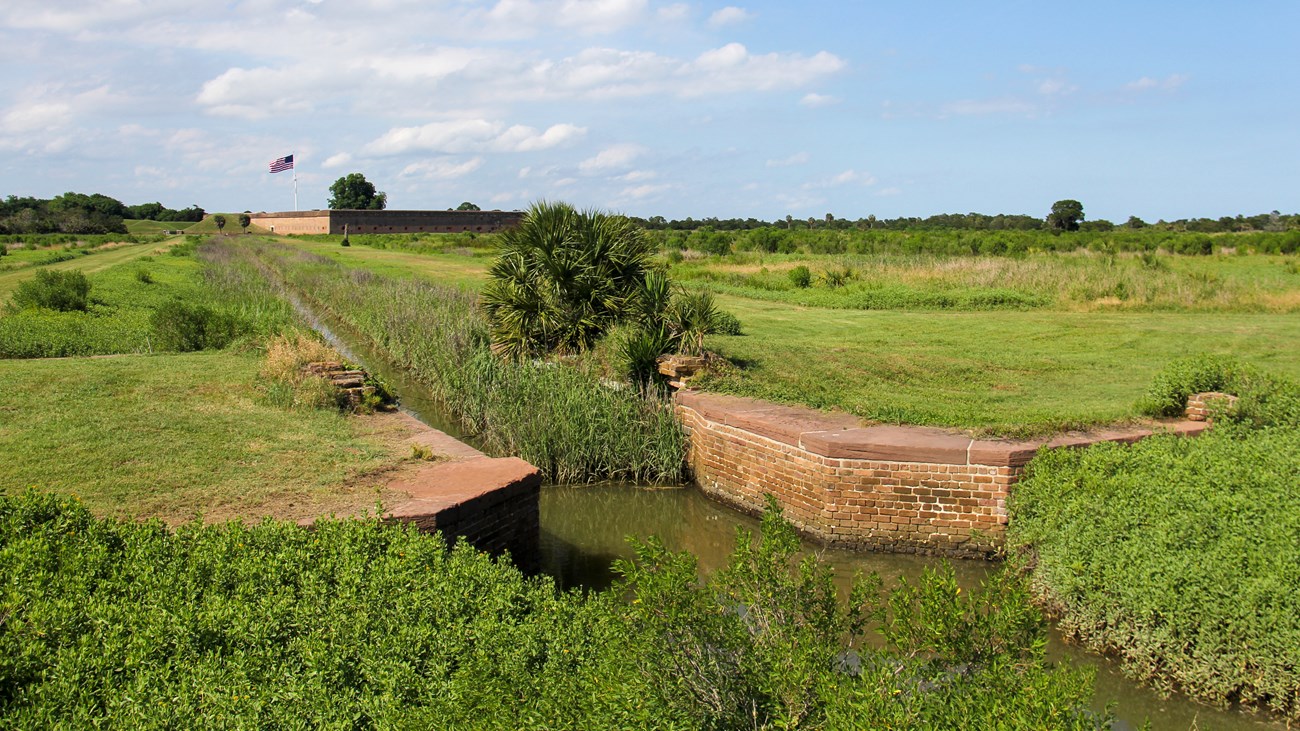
561 418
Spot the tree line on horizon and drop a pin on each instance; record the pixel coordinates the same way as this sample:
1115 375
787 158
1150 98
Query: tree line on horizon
79 213
1272 221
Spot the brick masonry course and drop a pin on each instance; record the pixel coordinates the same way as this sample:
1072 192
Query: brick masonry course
892 488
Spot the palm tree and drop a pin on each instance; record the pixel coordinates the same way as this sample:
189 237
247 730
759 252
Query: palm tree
563 277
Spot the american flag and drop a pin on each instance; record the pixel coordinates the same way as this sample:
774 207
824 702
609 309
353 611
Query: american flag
280 164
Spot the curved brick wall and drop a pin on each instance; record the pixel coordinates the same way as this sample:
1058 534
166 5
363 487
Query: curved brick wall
894 488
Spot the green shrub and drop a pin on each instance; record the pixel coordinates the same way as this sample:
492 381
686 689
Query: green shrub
1264 399
639 351
62 291
356 624
183 327
725 323
143 276
837 276
801 277
562 279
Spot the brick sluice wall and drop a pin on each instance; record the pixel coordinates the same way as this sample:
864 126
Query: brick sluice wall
908 507
892 488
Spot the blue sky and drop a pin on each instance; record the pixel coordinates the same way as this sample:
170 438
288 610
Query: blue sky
1155 109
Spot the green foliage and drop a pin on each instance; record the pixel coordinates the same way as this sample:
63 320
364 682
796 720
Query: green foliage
837 276
562 279
1066 215
143 276
800 277
245 221
639 349
353 191
1176 555
184 327
361 625
767 643
63 291
1265 400
220 220
467 206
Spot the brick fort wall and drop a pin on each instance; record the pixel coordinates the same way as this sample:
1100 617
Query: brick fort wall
338 222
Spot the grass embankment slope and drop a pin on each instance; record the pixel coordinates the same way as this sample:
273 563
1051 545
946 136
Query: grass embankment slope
180 435
1079 357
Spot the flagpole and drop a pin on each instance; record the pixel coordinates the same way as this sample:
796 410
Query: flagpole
295 183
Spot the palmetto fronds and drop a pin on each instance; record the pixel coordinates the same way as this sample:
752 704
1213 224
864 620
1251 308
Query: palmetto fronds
563 277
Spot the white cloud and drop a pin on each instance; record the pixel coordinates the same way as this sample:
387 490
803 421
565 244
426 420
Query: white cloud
641 192
1056 87
673 13
338 160
472 135
798 158
523 18
730 15
638 176
845 178
817 100
442 168
1146 83
614 157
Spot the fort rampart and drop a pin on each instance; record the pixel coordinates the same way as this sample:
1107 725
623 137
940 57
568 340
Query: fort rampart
338 222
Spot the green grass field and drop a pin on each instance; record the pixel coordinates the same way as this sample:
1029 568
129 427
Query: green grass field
99 261
175 436
1009 372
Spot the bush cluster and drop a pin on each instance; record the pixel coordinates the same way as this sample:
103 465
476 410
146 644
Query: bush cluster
1179 555
54 290
360 625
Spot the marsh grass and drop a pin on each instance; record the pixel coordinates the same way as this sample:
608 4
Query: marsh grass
562 419
1077 281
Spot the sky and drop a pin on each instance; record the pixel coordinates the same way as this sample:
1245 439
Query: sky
1157 109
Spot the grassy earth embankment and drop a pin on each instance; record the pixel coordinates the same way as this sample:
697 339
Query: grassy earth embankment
181 435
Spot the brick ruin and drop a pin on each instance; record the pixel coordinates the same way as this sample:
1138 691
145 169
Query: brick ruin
893 488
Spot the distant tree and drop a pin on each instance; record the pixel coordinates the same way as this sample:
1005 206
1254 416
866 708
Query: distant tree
244 221
467 206
220 220
353 191
1135 223
1066 215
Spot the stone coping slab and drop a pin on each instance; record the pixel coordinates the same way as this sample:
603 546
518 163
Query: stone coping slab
843 436
440 491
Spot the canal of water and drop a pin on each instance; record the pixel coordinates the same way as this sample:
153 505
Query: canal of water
585 528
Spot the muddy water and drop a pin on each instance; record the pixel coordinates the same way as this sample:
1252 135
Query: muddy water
584 529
